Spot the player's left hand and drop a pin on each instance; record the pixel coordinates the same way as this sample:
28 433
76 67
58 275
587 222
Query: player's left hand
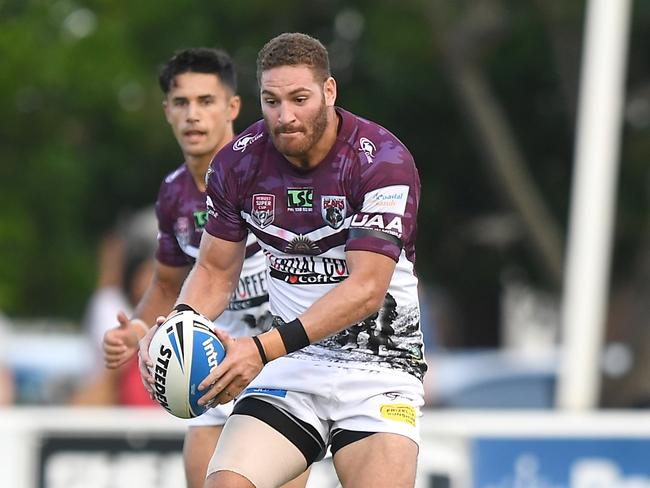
241 364
145 364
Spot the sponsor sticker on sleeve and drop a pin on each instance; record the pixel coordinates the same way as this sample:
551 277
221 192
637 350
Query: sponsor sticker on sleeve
389 199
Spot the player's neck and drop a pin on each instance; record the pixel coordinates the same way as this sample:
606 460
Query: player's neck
322 147
198 165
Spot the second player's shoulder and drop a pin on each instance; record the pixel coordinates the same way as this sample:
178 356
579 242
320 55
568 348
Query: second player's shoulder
175 176
173 184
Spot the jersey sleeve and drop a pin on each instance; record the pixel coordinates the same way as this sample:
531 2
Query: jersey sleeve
168 251
388 198
222 201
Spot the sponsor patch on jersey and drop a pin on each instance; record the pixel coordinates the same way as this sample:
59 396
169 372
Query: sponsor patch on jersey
200 218
368 148
388 224
306 279
389 199
251 291
246 140
399 413
266 391
263 209
333 209
300 199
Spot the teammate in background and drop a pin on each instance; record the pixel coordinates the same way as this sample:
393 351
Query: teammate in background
200 105
332 199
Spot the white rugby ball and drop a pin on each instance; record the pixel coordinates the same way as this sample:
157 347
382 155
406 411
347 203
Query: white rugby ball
183 350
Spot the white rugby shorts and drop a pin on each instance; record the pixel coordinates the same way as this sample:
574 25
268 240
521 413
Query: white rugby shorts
332 396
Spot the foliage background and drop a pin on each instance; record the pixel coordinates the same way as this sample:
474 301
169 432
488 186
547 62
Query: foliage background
83 140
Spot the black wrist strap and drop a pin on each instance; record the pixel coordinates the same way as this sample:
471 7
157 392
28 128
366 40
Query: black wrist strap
260 349
183 307
293 335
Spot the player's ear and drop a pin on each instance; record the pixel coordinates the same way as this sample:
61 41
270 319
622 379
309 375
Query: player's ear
234 106
329 90
165 106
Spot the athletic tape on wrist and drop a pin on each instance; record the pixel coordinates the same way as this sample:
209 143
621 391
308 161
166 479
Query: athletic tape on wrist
260 349
293 335
183 307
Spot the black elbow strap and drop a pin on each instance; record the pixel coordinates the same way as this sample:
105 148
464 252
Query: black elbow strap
293 335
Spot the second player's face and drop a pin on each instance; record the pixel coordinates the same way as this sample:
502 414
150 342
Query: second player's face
200 110
295 105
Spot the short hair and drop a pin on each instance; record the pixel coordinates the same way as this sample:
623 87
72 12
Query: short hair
292 49
198 60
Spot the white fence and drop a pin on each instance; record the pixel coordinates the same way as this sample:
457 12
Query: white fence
116 448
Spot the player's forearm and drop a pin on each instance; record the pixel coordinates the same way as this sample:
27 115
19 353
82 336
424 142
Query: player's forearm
348 303
158 300
207 291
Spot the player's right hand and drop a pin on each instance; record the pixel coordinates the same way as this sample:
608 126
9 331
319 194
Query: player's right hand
120 343
144 360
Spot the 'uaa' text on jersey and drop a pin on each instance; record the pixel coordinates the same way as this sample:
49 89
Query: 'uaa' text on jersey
362 196
182 215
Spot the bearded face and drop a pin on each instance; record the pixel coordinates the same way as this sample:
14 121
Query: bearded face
295 139
296 108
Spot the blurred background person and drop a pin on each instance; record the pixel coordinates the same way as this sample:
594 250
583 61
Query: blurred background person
7 385
125 268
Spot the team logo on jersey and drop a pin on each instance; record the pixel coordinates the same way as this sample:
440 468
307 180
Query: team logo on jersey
300 199
368 148
302 245
210 206
263 209
333 209
246 140
183 231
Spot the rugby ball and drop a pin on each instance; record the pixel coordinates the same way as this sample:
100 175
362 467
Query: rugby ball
183 350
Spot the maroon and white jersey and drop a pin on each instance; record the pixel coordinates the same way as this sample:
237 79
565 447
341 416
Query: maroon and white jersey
182 215
363 196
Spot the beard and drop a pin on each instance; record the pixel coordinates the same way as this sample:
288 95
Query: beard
312 130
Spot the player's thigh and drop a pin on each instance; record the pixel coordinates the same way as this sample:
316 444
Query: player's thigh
199 445
254 452
381 460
